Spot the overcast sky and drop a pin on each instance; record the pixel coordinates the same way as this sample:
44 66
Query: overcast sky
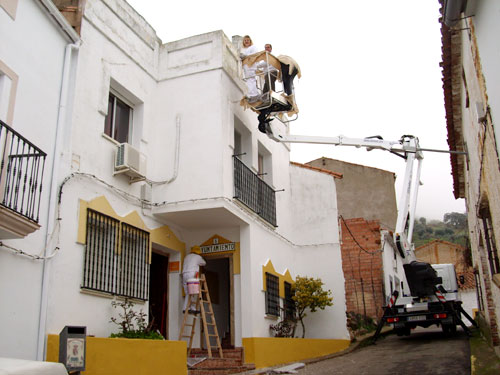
368 68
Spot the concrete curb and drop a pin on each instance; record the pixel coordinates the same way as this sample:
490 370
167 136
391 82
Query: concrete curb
353 346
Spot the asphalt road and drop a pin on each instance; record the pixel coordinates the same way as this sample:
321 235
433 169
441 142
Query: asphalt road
425 352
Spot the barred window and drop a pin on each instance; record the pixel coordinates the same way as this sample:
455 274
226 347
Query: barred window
272 295
490 241
289 302
120 270
134 263
100 263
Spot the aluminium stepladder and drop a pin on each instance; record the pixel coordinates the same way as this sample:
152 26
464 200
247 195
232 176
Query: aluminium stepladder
204 305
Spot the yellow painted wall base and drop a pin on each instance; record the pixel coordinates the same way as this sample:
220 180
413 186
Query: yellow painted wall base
107 356
271 351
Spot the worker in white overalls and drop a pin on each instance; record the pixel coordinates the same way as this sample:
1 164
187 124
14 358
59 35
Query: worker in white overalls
191 270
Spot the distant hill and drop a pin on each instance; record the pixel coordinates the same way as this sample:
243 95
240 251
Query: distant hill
453 229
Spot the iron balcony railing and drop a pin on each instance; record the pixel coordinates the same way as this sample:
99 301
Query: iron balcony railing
21 173
253 192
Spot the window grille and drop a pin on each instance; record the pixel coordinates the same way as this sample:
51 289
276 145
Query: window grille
490 242
272 295
120 270
289 302
134 262
100 259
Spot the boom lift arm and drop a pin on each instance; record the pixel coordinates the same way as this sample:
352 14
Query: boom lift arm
421 277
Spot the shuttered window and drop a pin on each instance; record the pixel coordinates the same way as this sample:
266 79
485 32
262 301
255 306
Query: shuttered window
116 257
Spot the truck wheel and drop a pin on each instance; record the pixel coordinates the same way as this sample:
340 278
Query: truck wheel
449 329
405 331
400 331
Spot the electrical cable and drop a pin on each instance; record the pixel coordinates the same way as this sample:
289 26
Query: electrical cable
356 241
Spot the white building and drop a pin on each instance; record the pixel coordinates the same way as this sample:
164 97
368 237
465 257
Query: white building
195 171
472 102
37 56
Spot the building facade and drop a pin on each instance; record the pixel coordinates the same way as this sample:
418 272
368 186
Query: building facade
37 71
363 192
472 103
158 156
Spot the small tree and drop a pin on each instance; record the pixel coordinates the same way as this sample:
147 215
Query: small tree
309 294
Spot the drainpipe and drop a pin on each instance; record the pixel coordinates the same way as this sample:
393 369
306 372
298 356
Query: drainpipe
452 11
51 212
176 155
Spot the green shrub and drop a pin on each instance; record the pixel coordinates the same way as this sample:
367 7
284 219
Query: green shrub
132 323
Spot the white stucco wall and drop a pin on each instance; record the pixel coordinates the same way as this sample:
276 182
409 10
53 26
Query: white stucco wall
33 47
485 20
469 304
298 258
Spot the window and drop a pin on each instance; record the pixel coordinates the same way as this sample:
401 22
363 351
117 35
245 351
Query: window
116 257
260 165
5 90
272 295
289 303
265 164
134 264
237 143
118 121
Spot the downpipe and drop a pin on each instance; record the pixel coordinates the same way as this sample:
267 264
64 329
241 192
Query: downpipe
51 212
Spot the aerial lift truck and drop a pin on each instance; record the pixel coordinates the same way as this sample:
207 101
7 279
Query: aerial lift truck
433 296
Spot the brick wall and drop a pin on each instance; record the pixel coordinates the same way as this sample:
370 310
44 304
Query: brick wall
362 266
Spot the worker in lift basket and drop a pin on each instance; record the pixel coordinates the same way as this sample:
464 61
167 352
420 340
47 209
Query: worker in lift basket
191 270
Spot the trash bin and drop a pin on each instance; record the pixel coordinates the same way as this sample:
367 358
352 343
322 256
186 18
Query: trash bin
72 348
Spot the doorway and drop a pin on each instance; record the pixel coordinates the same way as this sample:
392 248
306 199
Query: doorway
218 275
158 294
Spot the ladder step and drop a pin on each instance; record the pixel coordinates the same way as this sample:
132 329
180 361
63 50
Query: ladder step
203 302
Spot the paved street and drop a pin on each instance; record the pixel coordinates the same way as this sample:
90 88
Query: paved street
425 352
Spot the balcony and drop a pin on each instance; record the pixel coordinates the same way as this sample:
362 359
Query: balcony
21 174
253 192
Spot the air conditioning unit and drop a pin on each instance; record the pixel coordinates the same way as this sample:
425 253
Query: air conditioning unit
131 162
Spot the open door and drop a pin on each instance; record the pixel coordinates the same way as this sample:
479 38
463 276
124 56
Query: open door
158 294
218 276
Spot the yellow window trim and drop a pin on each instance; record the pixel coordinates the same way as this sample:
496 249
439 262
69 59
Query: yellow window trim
162 235
268 267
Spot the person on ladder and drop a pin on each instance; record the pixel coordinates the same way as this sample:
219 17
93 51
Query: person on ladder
191 270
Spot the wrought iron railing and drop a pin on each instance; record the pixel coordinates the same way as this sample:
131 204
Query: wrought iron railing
21 173
252 191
